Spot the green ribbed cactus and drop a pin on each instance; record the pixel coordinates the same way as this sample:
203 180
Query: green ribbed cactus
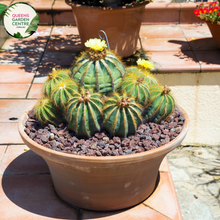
122 115
84 113
135 85
149 79
161 105
46 113
54 77
98 69
62 92
88 109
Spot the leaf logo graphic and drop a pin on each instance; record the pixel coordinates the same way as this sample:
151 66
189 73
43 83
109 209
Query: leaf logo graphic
33 25
20 20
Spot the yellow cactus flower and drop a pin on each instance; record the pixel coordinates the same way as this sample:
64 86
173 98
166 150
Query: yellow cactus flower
26 148
146 64
96 44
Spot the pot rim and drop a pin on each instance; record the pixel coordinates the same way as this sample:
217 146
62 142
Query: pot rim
151 153
101 8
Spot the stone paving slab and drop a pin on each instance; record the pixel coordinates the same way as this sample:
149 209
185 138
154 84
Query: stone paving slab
196 176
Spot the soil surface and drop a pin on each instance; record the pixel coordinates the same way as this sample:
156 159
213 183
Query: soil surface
148 136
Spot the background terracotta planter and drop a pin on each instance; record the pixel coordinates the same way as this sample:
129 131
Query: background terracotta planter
103 183
215 31
122 25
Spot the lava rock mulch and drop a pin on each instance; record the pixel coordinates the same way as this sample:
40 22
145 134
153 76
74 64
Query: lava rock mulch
148 136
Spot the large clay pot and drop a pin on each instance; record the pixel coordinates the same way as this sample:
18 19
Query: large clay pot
215 31
103 183
122 25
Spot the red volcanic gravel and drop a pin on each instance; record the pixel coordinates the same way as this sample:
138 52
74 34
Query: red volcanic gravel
148 136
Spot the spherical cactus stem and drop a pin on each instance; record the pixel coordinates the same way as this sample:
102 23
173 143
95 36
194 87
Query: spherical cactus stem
122 115
62 92
84 113
99 70
134 85
53 78
162 104
46 112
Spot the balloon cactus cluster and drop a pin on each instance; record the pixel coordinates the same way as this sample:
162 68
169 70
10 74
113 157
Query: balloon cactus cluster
99 92
209 11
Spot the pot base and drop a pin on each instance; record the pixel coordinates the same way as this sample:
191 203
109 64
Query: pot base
119 208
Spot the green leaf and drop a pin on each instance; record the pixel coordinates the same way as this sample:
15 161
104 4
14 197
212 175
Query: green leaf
18 35
33 25
2 8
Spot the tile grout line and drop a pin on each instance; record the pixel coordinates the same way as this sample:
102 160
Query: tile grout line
179 13
192 50
156 211
1 159
26 97
52 14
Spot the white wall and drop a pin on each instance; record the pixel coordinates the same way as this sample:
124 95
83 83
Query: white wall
199 95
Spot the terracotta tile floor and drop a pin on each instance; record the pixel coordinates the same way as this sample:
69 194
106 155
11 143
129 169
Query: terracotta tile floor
13 90
35 43
11 109
26 190
36 91
17 74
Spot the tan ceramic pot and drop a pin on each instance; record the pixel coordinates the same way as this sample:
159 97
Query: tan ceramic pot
103 183
215 31
122 25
